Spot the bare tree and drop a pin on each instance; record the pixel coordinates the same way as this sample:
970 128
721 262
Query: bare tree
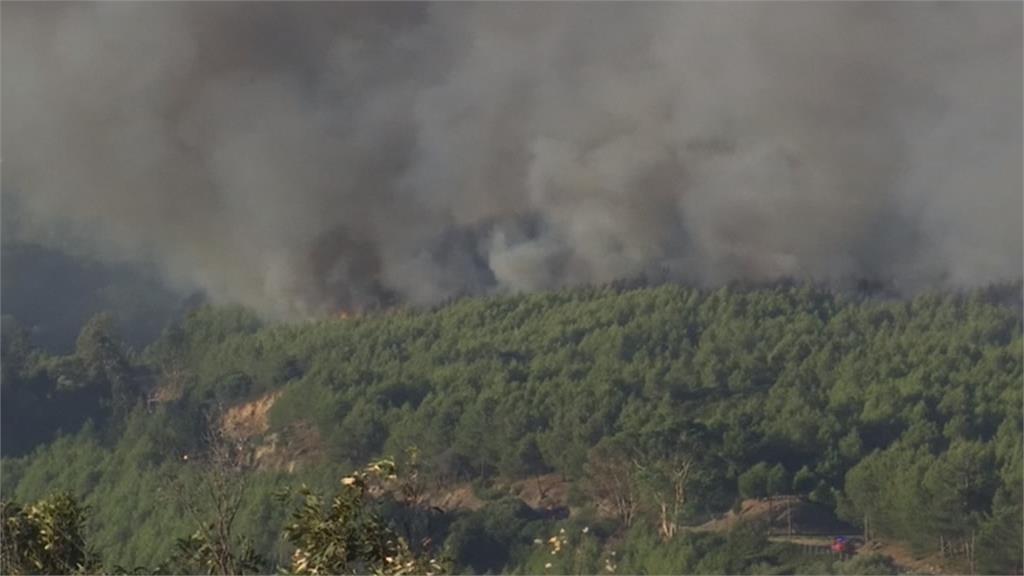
611 481
211 493
666 480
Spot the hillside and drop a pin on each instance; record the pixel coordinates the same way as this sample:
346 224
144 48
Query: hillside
639 412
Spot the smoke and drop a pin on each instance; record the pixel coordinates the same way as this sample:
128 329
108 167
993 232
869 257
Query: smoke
297 157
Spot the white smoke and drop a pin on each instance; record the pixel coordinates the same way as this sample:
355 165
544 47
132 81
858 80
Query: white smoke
301 156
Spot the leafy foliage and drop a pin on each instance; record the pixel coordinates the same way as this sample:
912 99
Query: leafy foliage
348 536
46 537
660 404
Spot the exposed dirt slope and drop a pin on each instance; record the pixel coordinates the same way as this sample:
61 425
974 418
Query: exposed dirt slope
547 494
784 514
248 420
460 497
285 450
814 526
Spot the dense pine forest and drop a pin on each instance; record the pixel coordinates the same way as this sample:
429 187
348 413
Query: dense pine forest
601 430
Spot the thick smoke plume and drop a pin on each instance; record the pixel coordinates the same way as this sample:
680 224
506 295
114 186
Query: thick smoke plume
297 157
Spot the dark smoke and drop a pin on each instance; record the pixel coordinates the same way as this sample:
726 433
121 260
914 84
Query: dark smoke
299 157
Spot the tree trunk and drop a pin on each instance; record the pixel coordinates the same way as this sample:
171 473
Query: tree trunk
970 554
664 529
789 518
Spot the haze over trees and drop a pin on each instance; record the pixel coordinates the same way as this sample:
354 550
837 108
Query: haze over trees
543 287
298 158
661 407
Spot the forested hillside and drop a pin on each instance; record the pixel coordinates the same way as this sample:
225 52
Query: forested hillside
657 409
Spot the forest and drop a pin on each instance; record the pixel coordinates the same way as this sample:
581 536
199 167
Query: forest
609 429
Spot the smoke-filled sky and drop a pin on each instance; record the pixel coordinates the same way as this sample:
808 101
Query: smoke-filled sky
298 157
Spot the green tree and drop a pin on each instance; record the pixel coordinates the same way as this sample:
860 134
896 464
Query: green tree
777 480
754 482
803 480
106 365
348 534
47 537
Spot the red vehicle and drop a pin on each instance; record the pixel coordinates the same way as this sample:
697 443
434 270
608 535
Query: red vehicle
840 545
